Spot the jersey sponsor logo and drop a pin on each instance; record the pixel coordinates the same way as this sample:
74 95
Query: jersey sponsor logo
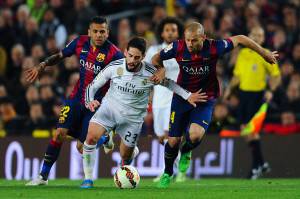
169 47
200 70
90 66
145 81
100 57
131 88
120 71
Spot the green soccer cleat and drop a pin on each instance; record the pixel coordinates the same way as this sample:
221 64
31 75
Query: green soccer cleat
164 181
185 161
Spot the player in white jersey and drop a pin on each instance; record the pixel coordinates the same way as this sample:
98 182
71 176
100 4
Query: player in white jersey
169 29
124 106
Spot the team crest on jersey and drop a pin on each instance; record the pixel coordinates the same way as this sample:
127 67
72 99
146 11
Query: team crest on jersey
144 82
169 47
120 71
100 57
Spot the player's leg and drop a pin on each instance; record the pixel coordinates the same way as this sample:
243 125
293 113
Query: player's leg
101 122
178 122
95 131
200 118
161 118
70 115
129 133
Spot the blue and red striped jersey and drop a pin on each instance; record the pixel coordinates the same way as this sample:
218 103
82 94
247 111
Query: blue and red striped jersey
198 71
92 61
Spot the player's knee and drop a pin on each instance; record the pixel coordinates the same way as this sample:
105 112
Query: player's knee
174 141
125 155
60 135
196 134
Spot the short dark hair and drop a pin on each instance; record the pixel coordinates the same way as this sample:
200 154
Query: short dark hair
98 20
139 43
169 20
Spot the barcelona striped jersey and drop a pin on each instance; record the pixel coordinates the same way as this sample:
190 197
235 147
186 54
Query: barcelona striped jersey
92 60
198 70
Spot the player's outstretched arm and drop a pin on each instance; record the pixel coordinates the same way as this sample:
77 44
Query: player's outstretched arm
192 98
33 72
270 57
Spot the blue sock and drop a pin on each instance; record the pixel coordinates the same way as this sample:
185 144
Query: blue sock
103 139
50 158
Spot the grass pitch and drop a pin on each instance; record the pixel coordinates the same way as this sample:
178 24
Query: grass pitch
200 189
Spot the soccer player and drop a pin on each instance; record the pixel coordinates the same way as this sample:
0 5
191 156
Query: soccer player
169 30
197 57
251 72
124 106
94 52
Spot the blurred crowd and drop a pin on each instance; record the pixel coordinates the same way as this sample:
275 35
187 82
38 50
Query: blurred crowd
34 29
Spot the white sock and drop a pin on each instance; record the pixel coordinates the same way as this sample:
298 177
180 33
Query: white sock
89 155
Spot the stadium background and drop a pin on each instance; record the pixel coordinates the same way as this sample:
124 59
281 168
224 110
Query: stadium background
34 29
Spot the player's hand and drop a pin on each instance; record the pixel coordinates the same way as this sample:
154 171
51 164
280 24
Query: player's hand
93 105
32 73
271 57
158 76
197 97
268 96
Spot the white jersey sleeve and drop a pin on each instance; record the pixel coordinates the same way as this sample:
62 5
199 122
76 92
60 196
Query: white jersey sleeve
104 75
170 84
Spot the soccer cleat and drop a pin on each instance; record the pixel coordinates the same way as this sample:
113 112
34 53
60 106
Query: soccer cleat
255 173
184 162
164 181
265 168
181 177
109 145
87 184
37 182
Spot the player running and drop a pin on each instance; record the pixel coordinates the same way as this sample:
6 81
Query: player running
124 106
197 57
94 52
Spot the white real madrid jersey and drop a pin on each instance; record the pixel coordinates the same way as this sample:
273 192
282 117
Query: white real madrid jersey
162 96
129 91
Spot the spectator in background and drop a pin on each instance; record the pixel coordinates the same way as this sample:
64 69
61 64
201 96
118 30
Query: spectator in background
37 119
14 69
37 8
31 35
143 29
77 21
12 123
296 57
37 52
51 26
124 33
22 15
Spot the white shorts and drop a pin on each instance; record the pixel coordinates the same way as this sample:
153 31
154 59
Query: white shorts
111 119
161 119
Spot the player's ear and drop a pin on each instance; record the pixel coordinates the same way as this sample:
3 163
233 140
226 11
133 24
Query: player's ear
125 52
89 32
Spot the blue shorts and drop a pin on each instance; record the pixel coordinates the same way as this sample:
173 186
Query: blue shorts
75 117
183 114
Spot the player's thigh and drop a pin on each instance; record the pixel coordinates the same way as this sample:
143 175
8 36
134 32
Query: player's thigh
201 116
87 115
129 132
125 151
179 117
70 118
104 119
161 118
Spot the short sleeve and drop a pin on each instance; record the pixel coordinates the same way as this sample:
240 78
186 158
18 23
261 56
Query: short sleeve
223 46
169 52
70 48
